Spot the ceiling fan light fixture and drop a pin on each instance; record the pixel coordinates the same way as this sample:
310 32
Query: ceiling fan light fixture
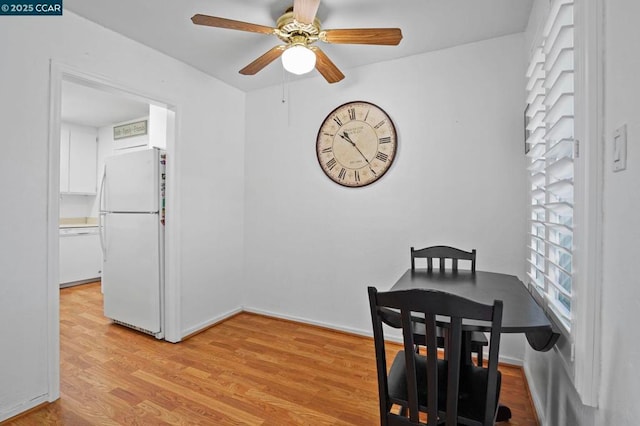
298 59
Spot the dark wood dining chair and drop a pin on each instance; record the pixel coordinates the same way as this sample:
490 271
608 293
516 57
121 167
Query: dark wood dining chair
478 339
442 253
450 391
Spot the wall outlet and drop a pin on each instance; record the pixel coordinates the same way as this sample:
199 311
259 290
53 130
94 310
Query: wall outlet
620 149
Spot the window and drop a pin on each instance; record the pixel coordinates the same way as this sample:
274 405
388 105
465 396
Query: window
564 126
550 129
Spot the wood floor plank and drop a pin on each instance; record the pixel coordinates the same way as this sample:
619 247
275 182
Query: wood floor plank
247 370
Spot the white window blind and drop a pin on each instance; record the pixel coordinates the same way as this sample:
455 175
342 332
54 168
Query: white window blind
550 142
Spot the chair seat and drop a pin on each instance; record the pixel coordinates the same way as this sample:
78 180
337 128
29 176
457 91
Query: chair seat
471 395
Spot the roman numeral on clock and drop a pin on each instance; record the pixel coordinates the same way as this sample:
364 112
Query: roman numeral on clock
331 164
352 113
327 150
342 174
356 176
380 124
382 156
338 121
386 139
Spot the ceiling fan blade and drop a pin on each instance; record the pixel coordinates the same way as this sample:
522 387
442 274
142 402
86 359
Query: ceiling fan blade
328 69
381 36
304 11
263 61
214 21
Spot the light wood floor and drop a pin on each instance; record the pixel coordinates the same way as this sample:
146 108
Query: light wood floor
248 370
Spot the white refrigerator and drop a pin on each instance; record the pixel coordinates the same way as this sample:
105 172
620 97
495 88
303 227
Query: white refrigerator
132 239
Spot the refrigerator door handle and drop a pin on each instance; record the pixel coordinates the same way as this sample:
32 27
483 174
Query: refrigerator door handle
102 217
101 193
101 232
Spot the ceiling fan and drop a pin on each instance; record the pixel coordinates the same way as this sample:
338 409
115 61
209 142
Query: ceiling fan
299 28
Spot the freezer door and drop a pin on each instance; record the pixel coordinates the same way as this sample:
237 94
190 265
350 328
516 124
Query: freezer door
131 182
131 276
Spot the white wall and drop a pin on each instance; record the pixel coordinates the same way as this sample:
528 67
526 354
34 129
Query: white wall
621 294
208 157
77 206
158 126
312 247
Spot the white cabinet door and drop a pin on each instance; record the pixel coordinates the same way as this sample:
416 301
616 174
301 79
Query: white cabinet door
80 257
83 160
78 159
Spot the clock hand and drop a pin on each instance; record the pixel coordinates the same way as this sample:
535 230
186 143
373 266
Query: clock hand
346 137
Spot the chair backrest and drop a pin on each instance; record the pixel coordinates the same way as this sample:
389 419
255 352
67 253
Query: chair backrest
444 389
442 253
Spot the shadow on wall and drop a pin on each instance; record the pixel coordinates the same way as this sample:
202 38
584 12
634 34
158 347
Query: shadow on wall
560 400
565 406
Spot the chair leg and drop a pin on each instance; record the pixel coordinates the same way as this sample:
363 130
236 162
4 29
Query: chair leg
503 414
479 358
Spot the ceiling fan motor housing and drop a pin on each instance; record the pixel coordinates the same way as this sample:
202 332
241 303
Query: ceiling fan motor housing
291 31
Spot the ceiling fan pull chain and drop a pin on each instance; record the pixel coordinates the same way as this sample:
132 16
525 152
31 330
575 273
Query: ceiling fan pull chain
285 86
283 83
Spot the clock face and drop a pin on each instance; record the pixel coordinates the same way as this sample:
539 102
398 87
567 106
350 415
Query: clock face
356 144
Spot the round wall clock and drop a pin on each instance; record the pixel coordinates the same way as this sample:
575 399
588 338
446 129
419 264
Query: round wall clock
356 144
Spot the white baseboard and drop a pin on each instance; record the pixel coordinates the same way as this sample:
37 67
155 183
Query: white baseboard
507 360
206 324
21 408
537 403
310 322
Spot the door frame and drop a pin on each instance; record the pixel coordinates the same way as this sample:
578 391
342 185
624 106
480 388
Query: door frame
59 72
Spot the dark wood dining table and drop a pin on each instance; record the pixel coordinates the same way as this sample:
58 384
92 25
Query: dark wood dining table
521 313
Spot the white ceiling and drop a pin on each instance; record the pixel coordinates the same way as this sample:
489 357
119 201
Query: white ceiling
427 25
93 107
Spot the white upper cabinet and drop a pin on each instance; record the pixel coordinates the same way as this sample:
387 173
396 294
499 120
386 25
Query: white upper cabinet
78 159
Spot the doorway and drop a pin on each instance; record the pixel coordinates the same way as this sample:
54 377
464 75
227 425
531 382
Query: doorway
89 103
87 117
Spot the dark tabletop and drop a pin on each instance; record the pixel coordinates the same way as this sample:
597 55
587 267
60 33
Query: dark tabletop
521 313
